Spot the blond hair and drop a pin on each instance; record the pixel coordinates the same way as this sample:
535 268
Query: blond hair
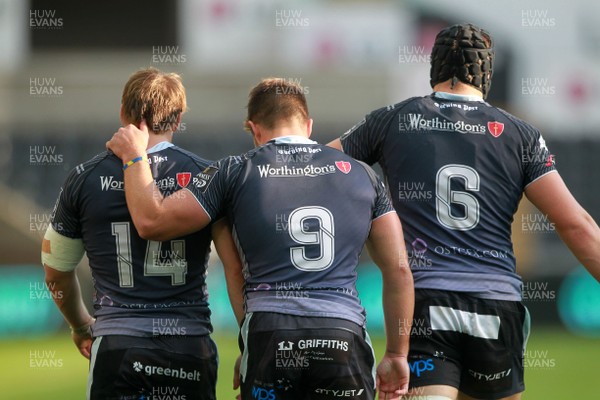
155 96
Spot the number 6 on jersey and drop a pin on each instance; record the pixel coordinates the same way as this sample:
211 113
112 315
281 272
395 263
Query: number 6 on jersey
445 197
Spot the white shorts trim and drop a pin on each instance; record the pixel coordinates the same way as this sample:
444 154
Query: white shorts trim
472 324
94 352
244 333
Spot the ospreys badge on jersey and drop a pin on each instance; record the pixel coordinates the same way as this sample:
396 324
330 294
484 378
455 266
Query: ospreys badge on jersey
343 166
496 128
203 179
183 178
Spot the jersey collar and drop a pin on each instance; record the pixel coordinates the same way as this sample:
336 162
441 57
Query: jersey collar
457 97
159 146
293 139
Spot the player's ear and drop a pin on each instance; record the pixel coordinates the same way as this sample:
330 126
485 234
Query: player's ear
255 131
122 115
309 126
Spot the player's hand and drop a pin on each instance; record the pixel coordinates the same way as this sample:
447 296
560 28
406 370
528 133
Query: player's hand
236 375
82 337
129 142
83 343
392 377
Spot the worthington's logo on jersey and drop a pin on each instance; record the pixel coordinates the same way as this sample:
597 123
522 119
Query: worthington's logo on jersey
110 183
417 122
267 171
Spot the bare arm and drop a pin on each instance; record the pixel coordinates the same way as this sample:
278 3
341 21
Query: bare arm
155 217
66 293
234 277
336 144
232 265
573 224
386 248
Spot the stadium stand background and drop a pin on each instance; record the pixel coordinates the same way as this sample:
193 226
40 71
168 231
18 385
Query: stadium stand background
63 64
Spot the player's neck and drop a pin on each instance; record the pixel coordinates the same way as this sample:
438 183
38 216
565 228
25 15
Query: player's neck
284 130
155 139
458 88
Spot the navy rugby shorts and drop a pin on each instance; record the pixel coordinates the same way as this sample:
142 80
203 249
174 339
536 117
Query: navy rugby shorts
127 367
294 357
476 345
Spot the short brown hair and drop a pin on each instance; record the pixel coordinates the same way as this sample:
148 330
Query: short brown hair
155 96
275 99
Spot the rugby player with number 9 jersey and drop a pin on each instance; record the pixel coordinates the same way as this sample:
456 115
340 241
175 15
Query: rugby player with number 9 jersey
301 213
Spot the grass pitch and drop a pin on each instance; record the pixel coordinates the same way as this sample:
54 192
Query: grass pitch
559 365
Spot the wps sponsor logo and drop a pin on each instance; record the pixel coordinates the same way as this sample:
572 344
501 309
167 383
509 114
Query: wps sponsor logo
311 171
183 178
420 366
496 128
343 166
417 122
110 183
260 393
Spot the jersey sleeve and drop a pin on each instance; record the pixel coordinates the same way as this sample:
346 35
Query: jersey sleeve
365 140
65 215
383 203
210 187
536 158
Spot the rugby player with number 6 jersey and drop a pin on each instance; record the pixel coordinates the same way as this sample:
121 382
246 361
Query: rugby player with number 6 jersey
301 213
152 320
457 168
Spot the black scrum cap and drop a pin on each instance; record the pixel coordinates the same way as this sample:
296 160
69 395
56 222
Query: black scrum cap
465 53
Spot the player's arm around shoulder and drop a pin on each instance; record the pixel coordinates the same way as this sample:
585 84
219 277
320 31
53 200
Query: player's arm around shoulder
574 225
386 247
155 217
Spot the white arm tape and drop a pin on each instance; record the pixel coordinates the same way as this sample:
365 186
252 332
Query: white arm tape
60 252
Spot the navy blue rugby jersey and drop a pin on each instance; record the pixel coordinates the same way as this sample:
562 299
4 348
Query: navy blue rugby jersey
142 288
456 168
301 213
